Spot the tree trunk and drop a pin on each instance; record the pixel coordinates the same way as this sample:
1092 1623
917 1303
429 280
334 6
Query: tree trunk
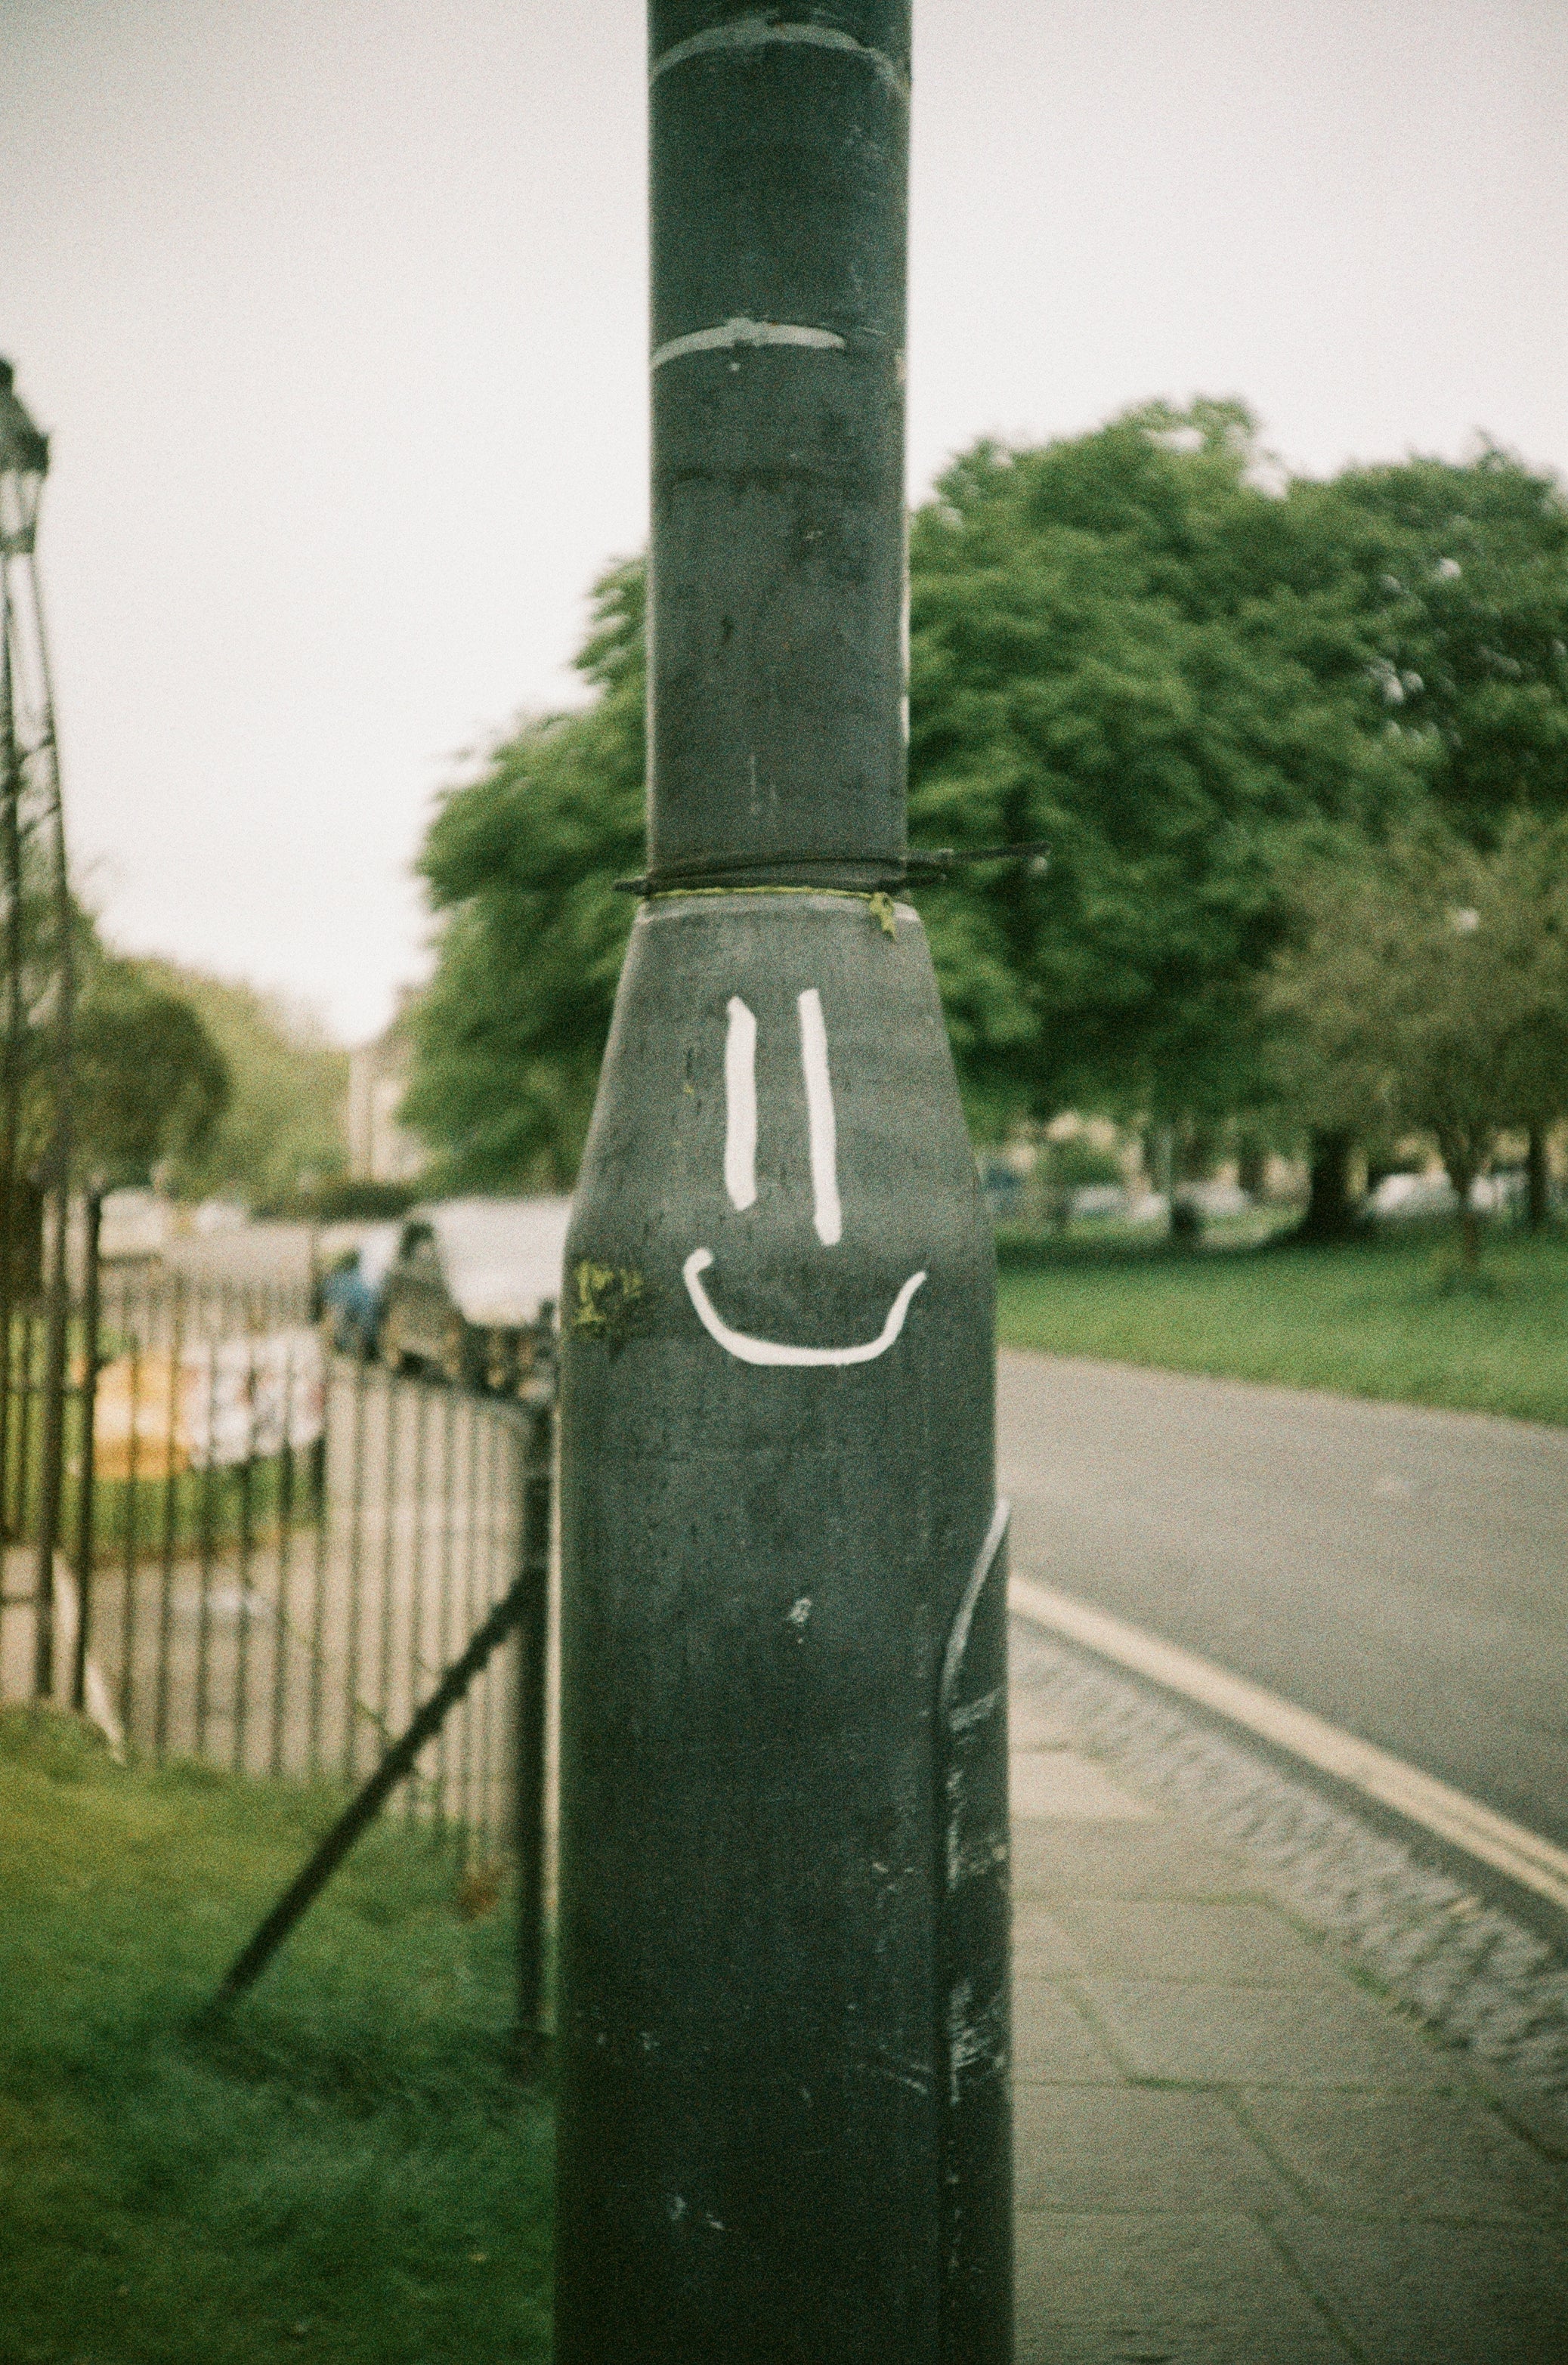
1251 1164
1469 1233
1464 1161
1538 1181
1332 1211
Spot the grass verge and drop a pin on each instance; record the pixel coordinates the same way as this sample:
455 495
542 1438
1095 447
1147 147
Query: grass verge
347 2172
1388 1317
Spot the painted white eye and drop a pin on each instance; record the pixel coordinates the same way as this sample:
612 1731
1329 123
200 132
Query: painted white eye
823 1130
740 1104
822 1125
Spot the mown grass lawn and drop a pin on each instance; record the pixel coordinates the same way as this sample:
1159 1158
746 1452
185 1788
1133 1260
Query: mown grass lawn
348 2171
1386 1317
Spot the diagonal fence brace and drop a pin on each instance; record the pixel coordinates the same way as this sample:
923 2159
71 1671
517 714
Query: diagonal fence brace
302 1892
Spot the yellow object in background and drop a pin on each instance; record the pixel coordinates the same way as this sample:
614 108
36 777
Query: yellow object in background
242 1400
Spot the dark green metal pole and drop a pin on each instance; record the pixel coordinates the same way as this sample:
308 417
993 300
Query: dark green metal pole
86 1477
783 2128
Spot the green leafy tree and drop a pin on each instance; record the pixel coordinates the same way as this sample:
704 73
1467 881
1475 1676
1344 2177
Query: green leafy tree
1435 594
1196 688
283 1127
1429 993
519 865
1450 583
1101 658
149 1083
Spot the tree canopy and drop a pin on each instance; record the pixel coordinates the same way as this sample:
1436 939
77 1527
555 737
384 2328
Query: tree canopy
1201 685
1454 578
1104 656
282 1127
1427 992
149 1083
520 865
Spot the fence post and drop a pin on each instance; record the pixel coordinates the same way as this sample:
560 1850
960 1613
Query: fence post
537 1478
92 1309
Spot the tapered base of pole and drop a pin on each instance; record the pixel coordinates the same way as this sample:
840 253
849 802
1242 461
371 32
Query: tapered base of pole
783 2028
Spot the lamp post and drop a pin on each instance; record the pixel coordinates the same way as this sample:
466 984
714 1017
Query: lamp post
40 968
24 463
783 2122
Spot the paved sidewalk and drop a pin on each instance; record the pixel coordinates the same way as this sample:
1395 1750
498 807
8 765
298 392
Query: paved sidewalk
1229 2151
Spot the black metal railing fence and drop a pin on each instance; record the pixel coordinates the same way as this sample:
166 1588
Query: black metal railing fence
267 1555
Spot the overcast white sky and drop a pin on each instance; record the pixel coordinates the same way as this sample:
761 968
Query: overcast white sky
336 311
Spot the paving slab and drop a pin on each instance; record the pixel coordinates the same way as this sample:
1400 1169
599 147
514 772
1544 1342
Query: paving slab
1438 2295
1138 1938
1063 1783
1226 2147
1137 2148
1151 1859
1042 1947
1054 2044
1211 2034
1204 2288
1419 2157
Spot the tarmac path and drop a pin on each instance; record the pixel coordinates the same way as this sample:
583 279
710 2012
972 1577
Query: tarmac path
1402 1573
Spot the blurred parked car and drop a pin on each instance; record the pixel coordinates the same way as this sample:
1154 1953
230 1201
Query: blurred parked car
215 1216
351 1294
473 1286
135 1226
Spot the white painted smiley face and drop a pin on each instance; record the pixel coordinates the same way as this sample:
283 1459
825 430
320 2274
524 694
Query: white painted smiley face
740 1181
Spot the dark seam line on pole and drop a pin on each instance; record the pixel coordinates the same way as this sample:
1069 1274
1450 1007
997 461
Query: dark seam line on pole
756 33
917 864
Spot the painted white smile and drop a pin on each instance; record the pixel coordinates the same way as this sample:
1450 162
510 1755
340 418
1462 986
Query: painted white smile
740 1181
747 1350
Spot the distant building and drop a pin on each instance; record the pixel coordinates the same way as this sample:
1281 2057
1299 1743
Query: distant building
380 1151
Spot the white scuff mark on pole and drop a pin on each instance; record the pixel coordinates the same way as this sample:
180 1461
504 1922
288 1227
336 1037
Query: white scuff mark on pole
756 33
746 1349
740 1106
738 331
959 1634
823 1126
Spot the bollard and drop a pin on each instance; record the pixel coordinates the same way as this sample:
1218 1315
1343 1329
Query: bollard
783 2122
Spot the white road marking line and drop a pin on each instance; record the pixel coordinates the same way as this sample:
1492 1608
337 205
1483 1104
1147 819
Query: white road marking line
827 1214
747 1350
1535 1863
747 332
756 33
740 1104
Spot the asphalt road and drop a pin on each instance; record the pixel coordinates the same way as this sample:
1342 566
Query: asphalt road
1403 1573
